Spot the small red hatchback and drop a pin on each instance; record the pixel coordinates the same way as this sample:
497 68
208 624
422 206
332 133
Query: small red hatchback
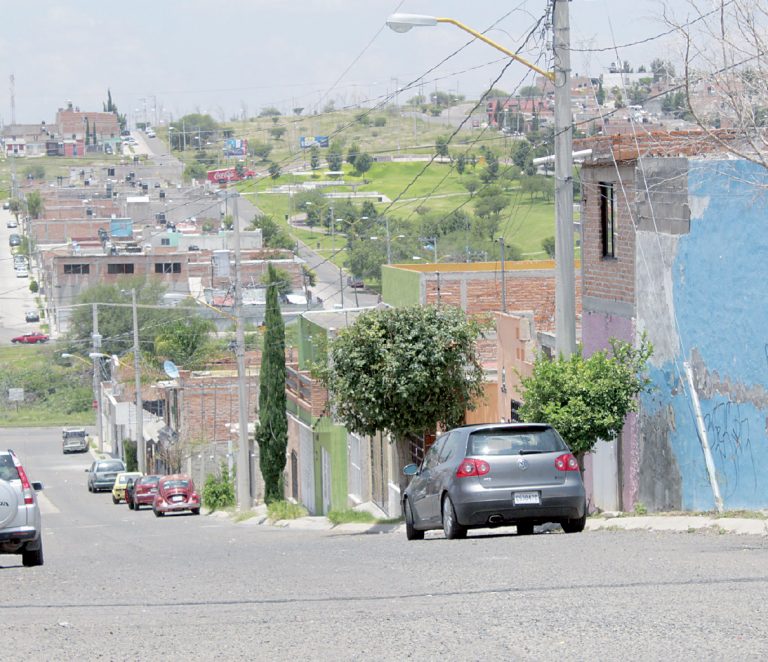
141 492
176 493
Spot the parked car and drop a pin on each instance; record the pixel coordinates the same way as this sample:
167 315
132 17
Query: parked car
12 223
151 133
14 240
495 475
74 440
22 272
355 282
174 494
30 338
121 480
141 491
102 474
7 204
32 316
20 526
20 261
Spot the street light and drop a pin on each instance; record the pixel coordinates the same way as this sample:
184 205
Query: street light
565 280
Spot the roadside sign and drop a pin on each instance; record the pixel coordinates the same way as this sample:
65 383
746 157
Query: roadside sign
16 395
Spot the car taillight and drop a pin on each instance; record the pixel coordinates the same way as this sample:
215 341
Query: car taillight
472 467
194 497
566 462
25 486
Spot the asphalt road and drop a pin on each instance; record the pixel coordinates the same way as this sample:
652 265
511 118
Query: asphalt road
120 585
15 297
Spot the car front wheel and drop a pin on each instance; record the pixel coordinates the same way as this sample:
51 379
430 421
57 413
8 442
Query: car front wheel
157 513
451 526
411 533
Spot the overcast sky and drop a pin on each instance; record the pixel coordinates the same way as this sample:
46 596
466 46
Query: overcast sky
235 56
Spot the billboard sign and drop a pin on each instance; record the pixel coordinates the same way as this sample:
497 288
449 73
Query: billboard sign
305 142
236 147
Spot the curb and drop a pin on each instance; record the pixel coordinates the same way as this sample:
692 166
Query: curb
683 523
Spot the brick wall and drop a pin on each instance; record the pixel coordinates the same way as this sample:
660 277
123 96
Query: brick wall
608 278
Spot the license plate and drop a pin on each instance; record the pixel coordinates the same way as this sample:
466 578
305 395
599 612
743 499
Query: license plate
178 497
526 498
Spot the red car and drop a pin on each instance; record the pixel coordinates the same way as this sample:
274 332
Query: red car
141 492
30 338
176 493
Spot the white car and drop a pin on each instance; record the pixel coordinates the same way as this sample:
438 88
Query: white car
151 133
13 223
22 272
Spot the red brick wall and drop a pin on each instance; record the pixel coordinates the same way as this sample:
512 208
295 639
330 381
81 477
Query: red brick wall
608 278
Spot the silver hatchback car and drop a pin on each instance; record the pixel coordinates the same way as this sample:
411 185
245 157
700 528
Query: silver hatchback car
474 476
20 529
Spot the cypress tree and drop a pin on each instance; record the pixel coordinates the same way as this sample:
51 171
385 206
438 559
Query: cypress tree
272 433
87 132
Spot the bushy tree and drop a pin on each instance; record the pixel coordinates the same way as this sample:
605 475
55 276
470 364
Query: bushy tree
587 399
272 431
186 341
363 163
274 170
35 204
314 157
273 235
405 370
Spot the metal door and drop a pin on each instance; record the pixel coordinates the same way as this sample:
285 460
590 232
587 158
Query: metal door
325 460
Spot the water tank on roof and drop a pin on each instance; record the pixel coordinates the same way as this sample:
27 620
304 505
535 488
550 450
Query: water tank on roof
221 263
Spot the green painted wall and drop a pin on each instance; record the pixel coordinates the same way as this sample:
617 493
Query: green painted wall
333 438
400 287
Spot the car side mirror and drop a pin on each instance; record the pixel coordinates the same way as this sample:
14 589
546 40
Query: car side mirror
86 470
37 486
411 469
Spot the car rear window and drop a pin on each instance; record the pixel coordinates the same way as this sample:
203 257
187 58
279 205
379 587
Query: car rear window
110 466
8 468
150 480
176 483
515 441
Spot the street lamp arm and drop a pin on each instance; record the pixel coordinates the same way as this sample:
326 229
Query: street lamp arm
479 35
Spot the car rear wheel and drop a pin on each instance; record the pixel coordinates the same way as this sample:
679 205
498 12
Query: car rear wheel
32 557
136 505
451 526
574 525
525 529
130 505
115 499
411 533
157 513
195 511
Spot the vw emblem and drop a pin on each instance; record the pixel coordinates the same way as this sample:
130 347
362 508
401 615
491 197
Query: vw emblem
522 463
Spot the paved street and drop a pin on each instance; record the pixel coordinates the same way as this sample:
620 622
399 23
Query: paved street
119 585
15 297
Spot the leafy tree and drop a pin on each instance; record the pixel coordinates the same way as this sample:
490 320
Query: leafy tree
379 121
363 163
269 111
587 399
36 171
195 171
314 157
186 341
279 279
334 157
495 92
662 70
87 133
491 201
277 132
364 258
309 276
471 184
116 322
273 234
600 94
15 207
274 170
405 370
352 153
522 153
260 150
461 163
194 125
491 171
35 204
272 432
441 146
548 244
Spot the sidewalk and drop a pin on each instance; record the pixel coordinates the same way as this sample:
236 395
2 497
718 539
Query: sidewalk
604 522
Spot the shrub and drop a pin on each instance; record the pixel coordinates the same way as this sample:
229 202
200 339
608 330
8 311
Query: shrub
219 491
346 516
131 457
33 286
278 510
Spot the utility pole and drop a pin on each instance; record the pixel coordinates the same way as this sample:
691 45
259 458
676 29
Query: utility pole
389 244
96 344
565 280
141 449
503 278
244 499
341 285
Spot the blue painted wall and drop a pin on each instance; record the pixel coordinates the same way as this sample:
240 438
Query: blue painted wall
718 277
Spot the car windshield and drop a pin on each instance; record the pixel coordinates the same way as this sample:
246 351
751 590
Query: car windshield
8 469
110 466
518 441
171 484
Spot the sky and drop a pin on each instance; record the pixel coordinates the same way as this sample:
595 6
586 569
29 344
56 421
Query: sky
165 58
